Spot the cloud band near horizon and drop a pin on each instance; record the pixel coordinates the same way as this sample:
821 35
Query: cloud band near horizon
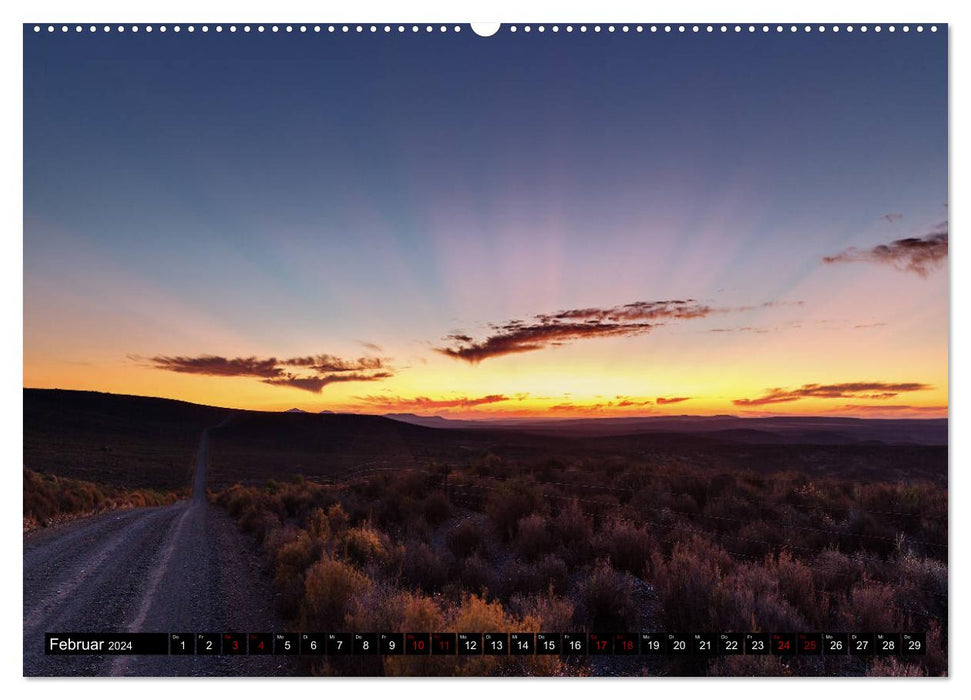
317 370
868 391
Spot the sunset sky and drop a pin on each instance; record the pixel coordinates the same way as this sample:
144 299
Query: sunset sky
525 225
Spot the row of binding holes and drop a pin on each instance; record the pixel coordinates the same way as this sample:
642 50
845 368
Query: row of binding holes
414 28
301 28
708 28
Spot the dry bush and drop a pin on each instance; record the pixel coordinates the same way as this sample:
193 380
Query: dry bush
474 614
606 601
572 532
518 576
890 666
935 658
797 586
509 504
835 572
552 612
376 608
423 568
464 539
728 511
628 545
871 608
436 509
418 613
291 551
477 575
337 519
318 524
685 582
329 586
49 499
532 538
748 599
922 574
751 666
366 546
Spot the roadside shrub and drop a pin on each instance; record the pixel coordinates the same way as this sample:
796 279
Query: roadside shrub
606 601
328 588
49 499
365 546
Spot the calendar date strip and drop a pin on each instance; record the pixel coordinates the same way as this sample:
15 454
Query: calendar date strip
485 643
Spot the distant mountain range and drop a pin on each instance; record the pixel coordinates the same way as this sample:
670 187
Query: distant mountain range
817 430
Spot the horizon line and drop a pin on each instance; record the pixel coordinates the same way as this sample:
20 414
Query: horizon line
542 417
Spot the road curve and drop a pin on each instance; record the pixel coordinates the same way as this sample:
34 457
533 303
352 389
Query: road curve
178 568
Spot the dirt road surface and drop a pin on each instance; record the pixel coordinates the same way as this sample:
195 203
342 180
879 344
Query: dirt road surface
178 568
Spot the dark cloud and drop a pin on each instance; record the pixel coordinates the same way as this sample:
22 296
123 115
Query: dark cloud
873 391
545 330
316 371
919 255
625 402
330 363
397 403
636 311
216 366
674 399
315 384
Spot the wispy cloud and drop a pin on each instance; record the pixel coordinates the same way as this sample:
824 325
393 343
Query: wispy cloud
550 330
918 255
740 329
852 390
332 363
316 383
880 408
313 372
626 402
424 403
601 407
661 401
216 366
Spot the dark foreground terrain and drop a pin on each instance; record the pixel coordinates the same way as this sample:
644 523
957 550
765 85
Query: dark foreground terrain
365 523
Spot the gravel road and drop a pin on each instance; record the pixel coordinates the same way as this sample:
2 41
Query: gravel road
178 568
